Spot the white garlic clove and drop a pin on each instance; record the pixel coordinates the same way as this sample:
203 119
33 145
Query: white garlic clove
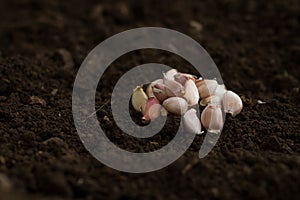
159 91
151 109
173 88
232 103
212 118
170 74
149 90
138 98
191 92
206 87
176 105
192 122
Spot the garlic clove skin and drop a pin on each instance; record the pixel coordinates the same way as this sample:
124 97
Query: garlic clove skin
151 109
149 90
176 105
138 98
183 77
180 78
212 118
191 92
220 91
170 74
173 88
191 122
211 100
232 103
206 87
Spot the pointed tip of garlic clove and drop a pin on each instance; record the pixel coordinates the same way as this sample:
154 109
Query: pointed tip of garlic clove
212 118
192 122
138 98
170 74
232 103
176 105
191 93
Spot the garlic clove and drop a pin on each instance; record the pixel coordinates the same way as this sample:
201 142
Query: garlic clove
150 101
159 91
191 92
149 90
173 88
232 103
138 98
211 118
192 122
176 105
170 74
206 87
151 109
153 112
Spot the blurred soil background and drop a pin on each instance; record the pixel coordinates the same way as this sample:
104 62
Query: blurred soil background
256 46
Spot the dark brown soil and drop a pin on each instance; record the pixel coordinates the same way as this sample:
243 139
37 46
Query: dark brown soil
256 46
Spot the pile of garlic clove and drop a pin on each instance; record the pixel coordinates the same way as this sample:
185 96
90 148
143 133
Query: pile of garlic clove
177 93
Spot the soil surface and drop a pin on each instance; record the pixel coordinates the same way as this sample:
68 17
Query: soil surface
256 46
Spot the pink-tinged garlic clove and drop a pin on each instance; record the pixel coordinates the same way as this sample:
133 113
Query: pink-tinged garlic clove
170 74
152 113
206 87
232 103
173 88
150 101
149 90
138 98
191 122
211 118
151 109
159 91
176 105
191 92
